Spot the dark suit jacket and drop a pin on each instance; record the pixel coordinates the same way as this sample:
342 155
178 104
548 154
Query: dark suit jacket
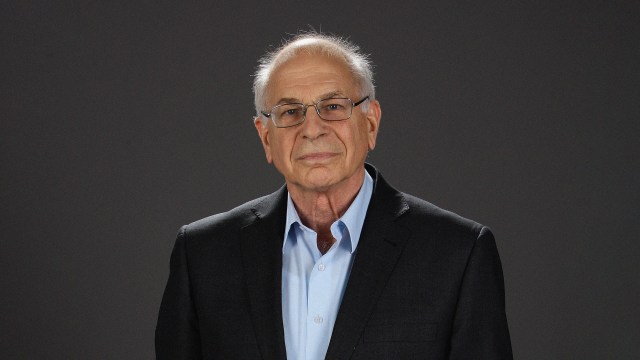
425 284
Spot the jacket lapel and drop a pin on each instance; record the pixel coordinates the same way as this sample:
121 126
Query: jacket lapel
261 243
381 243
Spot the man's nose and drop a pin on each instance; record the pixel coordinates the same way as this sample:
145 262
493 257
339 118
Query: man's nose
313 126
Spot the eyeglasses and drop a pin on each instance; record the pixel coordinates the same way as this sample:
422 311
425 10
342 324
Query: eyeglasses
333 109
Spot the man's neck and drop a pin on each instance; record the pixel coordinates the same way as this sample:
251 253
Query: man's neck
319 209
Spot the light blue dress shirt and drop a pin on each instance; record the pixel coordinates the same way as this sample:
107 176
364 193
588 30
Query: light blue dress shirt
313 284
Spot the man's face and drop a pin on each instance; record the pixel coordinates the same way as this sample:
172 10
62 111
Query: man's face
318 155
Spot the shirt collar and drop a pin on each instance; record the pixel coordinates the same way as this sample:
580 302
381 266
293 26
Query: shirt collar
353 218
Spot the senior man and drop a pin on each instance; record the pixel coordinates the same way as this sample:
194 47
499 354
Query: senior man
336 264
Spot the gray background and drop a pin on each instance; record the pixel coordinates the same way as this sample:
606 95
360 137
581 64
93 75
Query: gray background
121 121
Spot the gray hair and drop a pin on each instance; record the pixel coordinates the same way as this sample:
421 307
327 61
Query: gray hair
314 43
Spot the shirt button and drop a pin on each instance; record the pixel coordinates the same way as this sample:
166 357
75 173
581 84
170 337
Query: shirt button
321 267
318 319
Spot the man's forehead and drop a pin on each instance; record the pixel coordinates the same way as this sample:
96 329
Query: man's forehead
310 93
314 77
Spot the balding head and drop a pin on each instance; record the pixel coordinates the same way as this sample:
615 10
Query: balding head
313 44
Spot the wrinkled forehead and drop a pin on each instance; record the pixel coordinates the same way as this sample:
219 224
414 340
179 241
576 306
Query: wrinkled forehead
310 67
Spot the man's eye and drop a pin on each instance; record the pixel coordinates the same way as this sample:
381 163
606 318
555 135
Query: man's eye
289 112
333 107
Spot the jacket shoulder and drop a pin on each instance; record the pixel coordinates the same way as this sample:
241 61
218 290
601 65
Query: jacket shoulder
233 219
427 213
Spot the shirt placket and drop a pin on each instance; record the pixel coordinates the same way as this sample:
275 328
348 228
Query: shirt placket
319 299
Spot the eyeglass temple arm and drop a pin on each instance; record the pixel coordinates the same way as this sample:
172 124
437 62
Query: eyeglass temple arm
361 101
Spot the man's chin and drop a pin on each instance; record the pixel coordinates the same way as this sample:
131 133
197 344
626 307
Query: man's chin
319 184
318 179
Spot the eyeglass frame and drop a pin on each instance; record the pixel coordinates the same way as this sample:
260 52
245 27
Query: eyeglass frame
315 105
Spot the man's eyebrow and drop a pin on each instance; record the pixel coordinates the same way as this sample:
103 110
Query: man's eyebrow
331 94
328 95
288 101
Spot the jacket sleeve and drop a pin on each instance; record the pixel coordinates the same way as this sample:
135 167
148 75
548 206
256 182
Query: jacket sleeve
480 328
177 335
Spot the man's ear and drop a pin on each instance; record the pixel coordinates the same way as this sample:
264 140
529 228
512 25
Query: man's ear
263 132
374 113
